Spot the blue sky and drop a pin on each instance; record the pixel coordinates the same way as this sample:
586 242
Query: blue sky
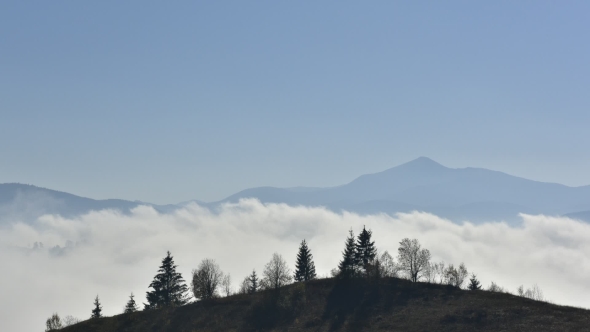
165 103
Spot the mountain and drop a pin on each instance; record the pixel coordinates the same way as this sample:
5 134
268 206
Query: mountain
389 304
21 202
459 194
474 194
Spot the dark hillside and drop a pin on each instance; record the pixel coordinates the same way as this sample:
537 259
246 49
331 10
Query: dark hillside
359 305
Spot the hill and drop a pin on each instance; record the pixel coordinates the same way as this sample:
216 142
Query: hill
389 304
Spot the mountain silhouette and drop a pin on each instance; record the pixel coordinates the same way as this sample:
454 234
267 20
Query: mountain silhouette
23 202
422 184
459 194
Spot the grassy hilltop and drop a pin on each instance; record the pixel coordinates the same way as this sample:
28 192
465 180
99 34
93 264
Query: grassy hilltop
389 304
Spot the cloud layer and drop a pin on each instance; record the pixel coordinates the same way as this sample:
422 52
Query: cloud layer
112 254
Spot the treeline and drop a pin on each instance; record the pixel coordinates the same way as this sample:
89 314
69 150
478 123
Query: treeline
360 259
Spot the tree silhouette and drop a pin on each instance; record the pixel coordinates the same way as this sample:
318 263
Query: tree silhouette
206 280
348 265
276 273
169 286
412 258
53 323
253 283
96 312
131 305
474 283
304 267
365 250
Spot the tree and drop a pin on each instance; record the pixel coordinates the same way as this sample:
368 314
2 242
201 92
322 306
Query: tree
276 273
412 258
390 269
348 265
438 272
253 283
96 312
534 293
206 280
496 288
456 276
474 284
365 250
70 320
53 323
226 285
304 267
245 286
131 305
169 288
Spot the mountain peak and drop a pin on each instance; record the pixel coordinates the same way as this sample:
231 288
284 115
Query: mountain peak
423 163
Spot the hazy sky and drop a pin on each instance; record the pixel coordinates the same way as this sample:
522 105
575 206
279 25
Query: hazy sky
165 103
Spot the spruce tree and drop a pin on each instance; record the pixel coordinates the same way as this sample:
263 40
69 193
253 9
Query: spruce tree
97 311
304 268
169 288
253 283
365 249
348 265
131 305
474 283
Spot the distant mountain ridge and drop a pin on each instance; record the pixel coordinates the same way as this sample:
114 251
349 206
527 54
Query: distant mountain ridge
23 202
473 194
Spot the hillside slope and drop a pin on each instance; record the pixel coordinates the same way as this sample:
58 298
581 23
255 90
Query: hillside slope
325 305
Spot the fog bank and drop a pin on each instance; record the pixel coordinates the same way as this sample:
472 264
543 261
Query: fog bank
112 254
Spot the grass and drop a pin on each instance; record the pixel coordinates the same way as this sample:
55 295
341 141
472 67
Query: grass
355 305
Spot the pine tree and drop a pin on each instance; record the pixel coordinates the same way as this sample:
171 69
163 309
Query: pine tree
348 265
169 286
131 305
304 267
365 250
253 283
96 312
474 283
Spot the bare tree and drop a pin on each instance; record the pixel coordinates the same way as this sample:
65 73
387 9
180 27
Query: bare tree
226 285
206 280
245 286
456 276
70 320
533 293
438 271
412 259
276 273
53 323
497 288
388 265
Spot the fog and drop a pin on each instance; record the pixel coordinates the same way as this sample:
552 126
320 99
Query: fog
113 254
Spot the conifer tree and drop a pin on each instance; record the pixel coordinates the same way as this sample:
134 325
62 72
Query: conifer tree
474 283
365 250
131 305
348 265
304 267
169 288
253 283
97 311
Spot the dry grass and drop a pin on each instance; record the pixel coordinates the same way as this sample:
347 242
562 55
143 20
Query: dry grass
357 305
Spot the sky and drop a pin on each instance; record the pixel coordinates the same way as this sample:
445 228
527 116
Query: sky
197 100
102 258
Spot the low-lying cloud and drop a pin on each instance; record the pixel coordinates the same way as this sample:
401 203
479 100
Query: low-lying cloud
113 254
